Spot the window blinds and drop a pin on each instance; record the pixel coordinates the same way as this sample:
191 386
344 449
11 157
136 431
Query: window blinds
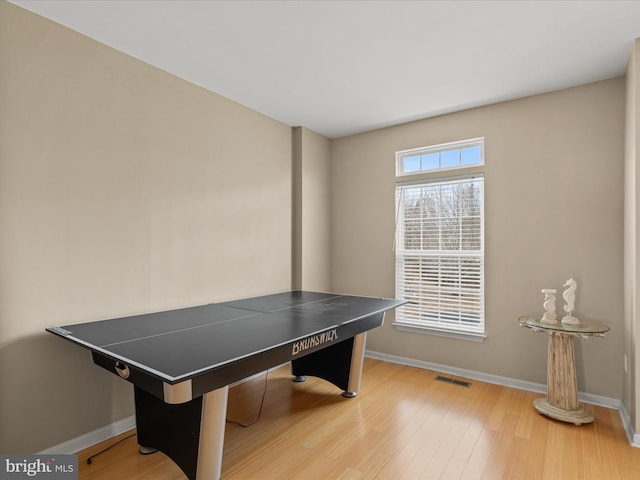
440 255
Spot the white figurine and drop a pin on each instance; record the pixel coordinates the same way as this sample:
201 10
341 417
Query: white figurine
569 296
549 306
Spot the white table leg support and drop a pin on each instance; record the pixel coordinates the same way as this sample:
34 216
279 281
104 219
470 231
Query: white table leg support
214 413
357 361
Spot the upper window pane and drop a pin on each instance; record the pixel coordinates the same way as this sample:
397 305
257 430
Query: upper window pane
470 156
450 159
430 161
411 164
440 157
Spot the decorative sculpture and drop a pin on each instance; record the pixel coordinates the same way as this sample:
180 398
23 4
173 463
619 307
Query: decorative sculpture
549 306
569 296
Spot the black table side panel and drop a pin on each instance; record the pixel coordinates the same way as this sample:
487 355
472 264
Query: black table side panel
331 364
172 429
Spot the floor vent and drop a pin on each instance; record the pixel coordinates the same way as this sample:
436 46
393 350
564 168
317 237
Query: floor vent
440 378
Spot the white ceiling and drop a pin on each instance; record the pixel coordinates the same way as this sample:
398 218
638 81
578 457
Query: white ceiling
343 67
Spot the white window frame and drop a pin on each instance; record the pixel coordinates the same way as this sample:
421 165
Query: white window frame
444 147
418 316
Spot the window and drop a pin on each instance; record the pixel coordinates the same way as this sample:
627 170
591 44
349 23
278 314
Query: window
440 157
440 240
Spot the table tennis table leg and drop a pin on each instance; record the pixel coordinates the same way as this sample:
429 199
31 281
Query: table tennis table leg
214 412
355 369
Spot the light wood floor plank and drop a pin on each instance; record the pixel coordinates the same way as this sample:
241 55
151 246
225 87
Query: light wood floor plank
402 425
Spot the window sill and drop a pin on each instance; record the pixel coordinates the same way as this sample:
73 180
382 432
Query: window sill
470 337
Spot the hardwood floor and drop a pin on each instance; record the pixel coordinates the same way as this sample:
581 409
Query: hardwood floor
403 425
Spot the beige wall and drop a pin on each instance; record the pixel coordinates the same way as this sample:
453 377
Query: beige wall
123 189
554 203
630 396
312 225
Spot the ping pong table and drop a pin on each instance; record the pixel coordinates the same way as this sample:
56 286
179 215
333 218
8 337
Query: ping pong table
181 362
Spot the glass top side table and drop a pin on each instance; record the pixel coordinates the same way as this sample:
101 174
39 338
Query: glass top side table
561 402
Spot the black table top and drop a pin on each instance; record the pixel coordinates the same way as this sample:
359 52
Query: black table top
180 343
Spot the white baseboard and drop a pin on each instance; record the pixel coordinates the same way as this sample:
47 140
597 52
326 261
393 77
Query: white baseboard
89 439
632 436
608 402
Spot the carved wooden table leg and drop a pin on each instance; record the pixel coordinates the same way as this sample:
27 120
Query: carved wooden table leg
562 385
